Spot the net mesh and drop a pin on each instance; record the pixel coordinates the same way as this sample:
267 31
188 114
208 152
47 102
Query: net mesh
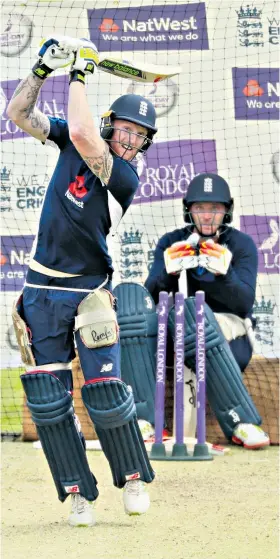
219 115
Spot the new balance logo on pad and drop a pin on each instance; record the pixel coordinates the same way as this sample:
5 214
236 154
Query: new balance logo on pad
106 368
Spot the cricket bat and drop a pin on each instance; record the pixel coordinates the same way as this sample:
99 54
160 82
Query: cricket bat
132 70
137 71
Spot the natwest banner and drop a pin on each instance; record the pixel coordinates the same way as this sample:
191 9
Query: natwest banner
167 169
256 93
14 259
164 27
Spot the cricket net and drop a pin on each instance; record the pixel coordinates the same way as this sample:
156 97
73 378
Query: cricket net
219 115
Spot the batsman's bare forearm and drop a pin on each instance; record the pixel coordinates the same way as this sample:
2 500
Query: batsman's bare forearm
23 112
85 136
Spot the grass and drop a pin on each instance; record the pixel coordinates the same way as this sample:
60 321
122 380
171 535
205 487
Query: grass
11 400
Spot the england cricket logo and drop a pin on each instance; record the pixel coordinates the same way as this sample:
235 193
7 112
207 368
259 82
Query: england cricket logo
263 311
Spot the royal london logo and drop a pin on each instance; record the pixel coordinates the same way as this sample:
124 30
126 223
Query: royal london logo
3 101
77 189
264 230
272 239
270 247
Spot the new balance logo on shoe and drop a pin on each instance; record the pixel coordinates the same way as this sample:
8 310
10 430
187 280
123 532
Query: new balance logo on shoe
106 368
130 477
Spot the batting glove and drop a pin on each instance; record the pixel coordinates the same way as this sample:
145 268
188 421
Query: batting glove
86 57
214 257
180 256
50 57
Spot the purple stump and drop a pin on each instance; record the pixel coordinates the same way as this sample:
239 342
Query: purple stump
161 365
179 367
200 366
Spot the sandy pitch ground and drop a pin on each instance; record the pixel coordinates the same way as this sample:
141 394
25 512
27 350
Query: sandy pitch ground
225 509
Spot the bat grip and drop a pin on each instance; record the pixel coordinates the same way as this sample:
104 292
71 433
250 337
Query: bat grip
183 283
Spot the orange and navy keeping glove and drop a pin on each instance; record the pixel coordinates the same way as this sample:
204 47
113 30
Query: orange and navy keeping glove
180 256
214 257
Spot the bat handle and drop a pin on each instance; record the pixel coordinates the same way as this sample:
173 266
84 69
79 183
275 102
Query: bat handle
183 283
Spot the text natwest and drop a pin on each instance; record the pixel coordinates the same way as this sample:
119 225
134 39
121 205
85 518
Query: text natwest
160 24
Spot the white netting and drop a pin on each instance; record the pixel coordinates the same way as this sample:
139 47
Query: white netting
220 115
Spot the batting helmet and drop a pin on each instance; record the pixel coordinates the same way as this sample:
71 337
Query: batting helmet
133 108
208 187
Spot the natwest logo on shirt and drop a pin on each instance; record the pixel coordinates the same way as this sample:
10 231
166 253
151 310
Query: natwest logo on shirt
256 93
165 27
78 187
75 190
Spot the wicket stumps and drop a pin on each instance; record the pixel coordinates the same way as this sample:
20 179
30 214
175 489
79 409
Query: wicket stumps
179 450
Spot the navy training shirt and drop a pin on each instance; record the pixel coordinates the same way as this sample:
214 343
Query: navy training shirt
79 211
232 293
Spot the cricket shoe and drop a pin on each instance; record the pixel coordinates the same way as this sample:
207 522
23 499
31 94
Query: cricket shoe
136 499
147 430
250 436
82 513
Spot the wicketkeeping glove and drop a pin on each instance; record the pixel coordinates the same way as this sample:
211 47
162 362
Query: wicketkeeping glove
50 57
214 257
180 256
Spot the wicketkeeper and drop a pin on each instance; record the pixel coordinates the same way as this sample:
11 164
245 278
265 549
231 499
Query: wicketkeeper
68 285
223 263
